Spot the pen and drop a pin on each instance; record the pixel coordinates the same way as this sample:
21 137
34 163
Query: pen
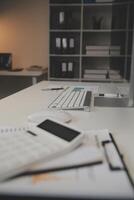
47 89
55 169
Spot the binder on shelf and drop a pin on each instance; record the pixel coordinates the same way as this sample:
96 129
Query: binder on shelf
61 17
71 42
71 45
58 42
58 45
63 70
64 45
70 70
67 70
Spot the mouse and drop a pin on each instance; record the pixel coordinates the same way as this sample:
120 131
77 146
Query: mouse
60 115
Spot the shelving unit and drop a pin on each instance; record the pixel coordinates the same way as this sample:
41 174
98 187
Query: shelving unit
90 40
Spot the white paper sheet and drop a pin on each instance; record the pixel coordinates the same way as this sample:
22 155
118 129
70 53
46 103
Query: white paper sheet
95 181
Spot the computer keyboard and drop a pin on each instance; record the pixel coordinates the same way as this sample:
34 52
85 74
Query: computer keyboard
73 98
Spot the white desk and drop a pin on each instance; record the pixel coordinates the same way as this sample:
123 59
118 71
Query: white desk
33 74
14 81
120 121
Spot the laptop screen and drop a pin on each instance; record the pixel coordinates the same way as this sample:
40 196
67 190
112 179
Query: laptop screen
5 61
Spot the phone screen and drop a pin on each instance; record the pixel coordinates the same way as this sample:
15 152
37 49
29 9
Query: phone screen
59 130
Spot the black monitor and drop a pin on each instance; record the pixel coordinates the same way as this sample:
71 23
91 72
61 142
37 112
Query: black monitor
5 61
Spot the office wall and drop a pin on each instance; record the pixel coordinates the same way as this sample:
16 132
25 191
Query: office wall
24 31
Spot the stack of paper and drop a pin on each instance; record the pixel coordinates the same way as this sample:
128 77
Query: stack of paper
103 50
114 75
95 74
95 71
114 50
97 50
80 156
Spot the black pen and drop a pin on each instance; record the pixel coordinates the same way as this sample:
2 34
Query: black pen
56 169
47 89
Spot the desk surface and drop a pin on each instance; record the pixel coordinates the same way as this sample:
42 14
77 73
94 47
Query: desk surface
120 121
20 73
